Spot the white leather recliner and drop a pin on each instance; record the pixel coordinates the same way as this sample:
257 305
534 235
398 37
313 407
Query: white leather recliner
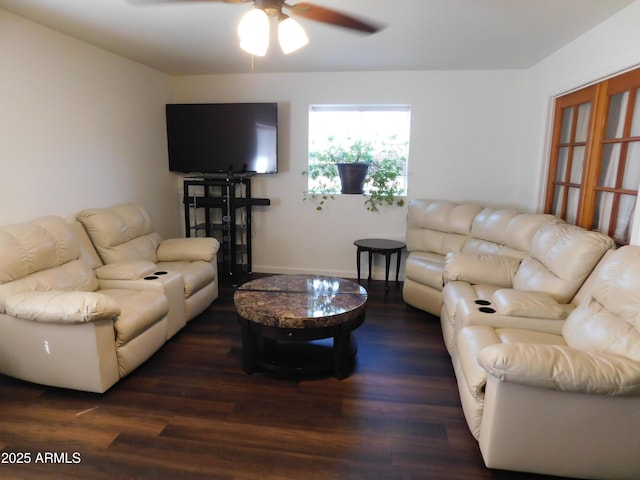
128 247
564 404
536 292
58 325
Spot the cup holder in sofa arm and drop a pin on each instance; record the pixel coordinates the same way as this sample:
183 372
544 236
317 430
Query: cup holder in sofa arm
487 310
161 272
151 277
484 308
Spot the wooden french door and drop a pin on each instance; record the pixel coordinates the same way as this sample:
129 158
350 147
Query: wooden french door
594 169
573 127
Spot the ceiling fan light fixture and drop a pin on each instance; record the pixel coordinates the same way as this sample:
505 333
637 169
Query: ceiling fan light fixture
253 31
291 35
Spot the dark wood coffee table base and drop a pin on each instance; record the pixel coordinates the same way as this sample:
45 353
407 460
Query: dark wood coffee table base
299 352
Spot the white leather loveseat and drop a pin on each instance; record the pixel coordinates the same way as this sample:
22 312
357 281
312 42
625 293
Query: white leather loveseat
438 227
565 404
58 325
123 245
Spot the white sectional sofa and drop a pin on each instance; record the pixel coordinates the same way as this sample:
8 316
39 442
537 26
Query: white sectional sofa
67 320
438 227
544 339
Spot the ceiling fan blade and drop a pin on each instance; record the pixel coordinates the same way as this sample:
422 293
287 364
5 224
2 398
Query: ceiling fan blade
333 17
158 2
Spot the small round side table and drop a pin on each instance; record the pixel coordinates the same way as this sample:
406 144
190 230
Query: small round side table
384 247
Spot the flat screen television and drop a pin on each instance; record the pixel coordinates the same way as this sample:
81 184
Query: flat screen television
223 138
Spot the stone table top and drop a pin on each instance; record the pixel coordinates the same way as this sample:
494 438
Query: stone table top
300 301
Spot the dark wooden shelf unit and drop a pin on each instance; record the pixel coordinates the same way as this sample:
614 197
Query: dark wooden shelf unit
220 207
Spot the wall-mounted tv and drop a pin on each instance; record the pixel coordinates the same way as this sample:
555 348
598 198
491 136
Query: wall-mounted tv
227 138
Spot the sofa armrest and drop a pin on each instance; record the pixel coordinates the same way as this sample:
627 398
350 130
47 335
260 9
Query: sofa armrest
62 306
125 270
497 270
562 368
525 303
187 249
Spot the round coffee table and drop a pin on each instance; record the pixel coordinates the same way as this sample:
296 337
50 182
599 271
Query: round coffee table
281 315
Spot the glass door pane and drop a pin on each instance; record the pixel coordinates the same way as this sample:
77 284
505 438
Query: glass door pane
573 198
622 229
635 122
631 179
609 165
617 112
561 171
567 116
558 200
577 163
582 126
602 211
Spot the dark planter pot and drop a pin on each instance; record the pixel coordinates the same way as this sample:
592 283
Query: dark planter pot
352 177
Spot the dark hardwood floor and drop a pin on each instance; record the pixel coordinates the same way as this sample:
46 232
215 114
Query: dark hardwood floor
190 412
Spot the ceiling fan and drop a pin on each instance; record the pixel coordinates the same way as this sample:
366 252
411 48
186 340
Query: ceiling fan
253 29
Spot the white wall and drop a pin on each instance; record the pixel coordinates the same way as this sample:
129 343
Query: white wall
465 143
80 128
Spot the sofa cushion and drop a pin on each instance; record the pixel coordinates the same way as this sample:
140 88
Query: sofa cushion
196 274
41 255
125 270
523 303
442 215
439 226
74 275
505 232
35 246
470 342
474 339
608 320
497 270
523 227
425 268
120 233
491 225
140 310
522 335
187 249
559 367
560 259
62 306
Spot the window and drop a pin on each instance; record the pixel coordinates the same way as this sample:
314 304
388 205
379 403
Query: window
594 168
377 135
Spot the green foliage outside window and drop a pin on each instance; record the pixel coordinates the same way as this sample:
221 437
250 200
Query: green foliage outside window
386 158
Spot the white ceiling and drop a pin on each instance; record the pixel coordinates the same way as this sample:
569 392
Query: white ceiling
197 37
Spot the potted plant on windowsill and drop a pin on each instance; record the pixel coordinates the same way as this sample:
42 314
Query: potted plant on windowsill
348 161
358 167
